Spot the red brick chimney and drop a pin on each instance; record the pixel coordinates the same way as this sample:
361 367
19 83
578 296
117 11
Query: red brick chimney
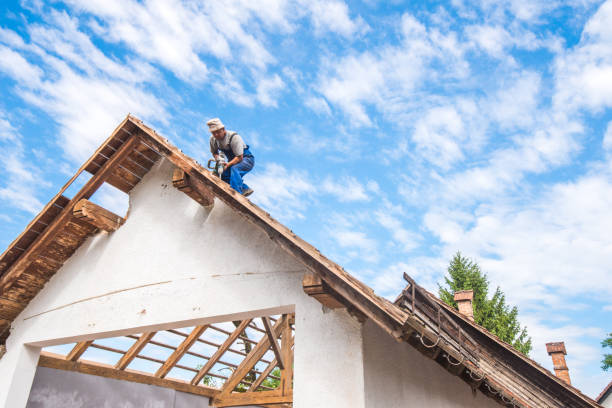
557 352
464 302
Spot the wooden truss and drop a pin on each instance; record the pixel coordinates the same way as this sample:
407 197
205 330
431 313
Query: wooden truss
258 353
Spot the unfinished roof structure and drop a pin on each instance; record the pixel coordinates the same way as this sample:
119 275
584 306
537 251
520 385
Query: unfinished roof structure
71 278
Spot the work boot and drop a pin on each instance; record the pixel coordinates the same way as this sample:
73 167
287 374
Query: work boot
247 192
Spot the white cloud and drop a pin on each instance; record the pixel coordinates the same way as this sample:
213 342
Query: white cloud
584 74
333 16
282 192
21 180
15 66
389 77
84 85
566 226
607 139
406 239
346 188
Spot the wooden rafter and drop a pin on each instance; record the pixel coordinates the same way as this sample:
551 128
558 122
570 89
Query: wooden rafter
314 286
97 216
286 384
220 351
133 351
51 360
273 343
252 358
78 350
193 188
265 373
53 230
255 398
180 351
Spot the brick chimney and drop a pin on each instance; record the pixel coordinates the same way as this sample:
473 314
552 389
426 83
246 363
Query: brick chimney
557 352
464 301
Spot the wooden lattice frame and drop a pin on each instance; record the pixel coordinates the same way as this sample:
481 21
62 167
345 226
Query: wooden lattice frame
237 388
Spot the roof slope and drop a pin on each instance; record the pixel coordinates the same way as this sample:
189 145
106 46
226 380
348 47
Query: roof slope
417 317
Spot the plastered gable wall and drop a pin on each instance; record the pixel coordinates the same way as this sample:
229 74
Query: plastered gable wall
397 375
175 264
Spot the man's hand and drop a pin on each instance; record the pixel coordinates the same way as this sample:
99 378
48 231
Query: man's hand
235 160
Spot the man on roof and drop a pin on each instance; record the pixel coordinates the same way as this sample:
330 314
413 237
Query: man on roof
239 158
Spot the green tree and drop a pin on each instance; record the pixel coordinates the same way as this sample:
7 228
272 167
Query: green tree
493 314
606 363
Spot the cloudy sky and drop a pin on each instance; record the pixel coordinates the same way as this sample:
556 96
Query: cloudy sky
389 135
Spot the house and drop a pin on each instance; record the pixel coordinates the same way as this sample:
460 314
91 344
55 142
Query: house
605 397
194 260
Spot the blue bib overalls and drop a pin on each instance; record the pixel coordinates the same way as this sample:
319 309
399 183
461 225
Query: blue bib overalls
233 175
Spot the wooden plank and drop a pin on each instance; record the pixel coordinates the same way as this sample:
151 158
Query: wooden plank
180 350
133 351
48 213
78 350
193 188
220 351
51 360
53 229
266 372
273 343
286 384
314 286
252 398
252 358
9 309
98 216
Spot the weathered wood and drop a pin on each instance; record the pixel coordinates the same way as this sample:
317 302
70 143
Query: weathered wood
193 188
266 372
252 358
51 360
273 343
252 398
180 351
220 351
78 350
97 216
133 351
53 229
315 287
286 384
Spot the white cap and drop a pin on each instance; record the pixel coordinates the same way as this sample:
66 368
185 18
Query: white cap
215 124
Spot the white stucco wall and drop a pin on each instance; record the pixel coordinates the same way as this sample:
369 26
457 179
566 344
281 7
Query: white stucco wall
397 375
175 265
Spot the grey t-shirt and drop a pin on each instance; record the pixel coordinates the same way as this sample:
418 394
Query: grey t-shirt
237 146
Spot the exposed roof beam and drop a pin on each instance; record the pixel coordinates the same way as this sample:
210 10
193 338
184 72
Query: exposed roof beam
252 358
133 351
220 351
78 350
315 287
51 360
266 372
273 343
193 188
180 351
255 398
97 216
53 229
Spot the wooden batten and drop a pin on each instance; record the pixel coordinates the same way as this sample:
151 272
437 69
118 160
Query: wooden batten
193 188
266 398
315 287
97 216
275 347
51 360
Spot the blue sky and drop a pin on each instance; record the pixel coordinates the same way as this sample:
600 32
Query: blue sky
388 134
